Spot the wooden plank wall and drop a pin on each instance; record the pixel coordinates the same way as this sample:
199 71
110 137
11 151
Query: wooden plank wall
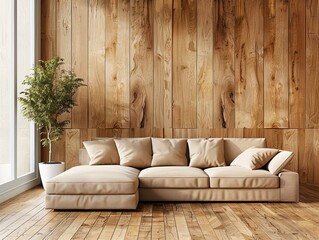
191 68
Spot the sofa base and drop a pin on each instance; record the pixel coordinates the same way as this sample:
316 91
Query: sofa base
92 201
222 195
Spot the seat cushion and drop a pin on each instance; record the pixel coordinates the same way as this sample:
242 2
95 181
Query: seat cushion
173 177
98 179
239 177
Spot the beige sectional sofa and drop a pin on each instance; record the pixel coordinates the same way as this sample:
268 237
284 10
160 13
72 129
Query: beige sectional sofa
126 171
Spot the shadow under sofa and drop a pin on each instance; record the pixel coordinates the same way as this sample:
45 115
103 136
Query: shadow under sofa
122 187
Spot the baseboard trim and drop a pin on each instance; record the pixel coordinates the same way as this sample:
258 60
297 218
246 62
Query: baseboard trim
19 189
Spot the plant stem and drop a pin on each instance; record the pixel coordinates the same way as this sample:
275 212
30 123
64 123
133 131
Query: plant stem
49 142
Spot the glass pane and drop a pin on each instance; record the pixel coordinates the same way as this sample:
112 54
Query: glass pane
5 96
25 60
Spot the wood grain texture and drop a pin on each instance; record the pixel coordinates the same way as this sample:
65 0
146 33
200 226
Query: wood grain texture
184 133
80 61
64 42
287 139
311 154
290 143
184 64
224 92
249 64
191 68
141 63
312 64
26 218
117 65
204 64
73 144
168 63
276 64
297 63
48 29
163 64
96 79
59 150
303 162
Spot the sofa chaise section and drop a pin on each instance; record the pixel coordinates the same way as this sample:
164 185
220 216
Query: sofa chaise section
94 187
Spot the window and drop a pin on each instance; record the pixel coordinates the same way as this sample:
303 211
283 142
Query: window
18 55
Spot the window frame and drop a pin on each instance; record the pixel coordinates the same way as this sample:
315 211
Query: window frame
18 184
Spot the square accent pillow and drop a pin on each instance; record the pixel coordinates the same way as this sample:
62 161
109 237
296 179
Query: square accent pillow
254 158
205 153
279 161
134 152
102 152
169 152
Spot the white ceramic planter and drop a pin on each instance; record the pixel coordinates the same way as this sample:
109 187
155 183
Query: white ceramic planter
50 170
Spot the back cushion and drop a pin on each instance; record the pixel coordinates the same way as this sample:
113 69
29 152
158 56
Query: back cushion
205 153
169 152
235 146
102 152
134 152
84 158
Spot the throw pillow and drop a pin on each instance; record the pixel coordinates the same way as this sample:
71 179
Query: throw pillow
279 161
134 152
169 152
102 152
254 158
205 153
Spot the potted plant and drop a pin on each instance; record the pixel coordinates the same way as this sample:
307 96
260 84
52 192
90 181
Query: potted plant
49 93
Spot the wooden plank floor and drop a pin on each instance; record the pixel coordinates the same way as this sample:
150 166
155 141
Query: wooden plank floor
24 217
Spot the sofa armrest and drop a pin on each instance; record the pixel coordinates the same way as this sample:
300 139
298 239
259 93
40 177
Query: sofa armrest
289 186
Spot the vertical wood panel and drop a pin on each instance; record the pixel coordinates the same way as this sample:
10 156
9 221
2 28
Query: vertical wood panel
87 135
72 143
309 156
274 138
290 143
96 80
59 149
117 64
315 156
312 155
80 61
159 60
163 64
184 64
204 64
297 63
312 64
141 64
64 41
302 161
224 96
276 64
249 64
48 29
168 31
